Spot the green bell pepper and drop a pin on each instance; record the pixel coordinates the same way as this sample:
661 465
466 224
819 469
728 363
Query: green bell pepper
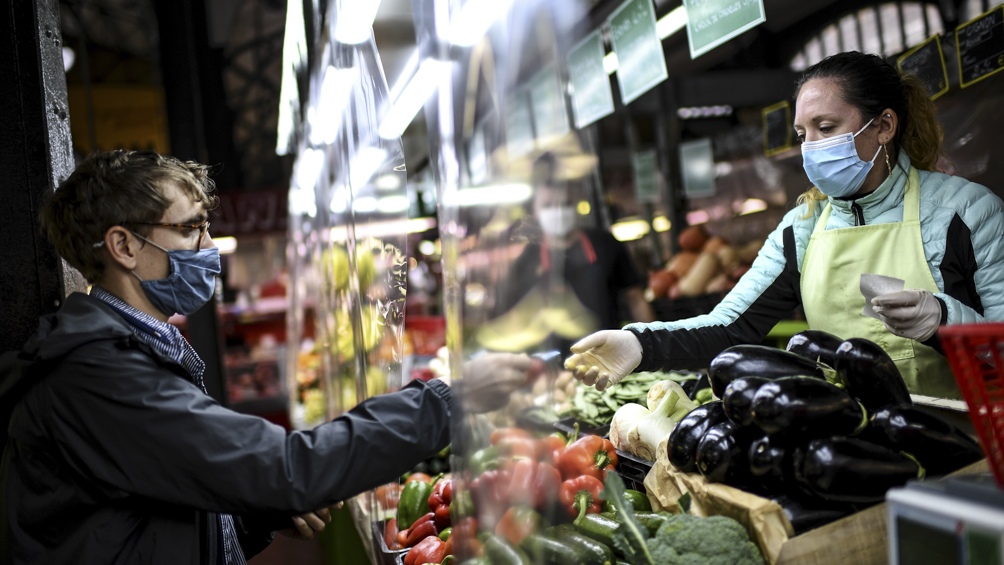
637 500
414 503
483 460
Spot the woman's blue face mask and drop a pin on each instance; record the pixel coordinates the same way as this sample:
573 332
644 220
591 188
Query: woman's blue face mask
833 164
190 284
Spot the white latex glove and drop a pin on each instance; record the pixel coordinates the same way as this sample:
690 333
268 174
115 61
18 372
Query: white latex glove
605 357
913 314
489 379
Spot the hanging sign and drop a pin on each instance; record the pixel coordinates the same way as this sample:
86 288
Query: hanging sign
646 178
591 95
776 128
713 22
547 101
518 127
927 62
980 45
697 164
640 61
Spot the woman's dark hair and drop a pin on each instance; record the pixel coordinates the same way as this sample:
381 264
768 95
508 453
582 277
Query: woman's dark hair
871 84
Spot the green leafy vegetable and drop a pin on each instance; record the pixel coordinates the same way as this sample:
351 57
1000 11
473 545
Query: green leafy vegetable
629 538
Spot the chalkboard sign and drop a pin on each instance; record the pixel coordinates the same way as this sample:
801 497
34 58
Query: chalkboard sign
547 100
697 165
927 62
713 22
591 95
981 47
646 179
776 128
640 62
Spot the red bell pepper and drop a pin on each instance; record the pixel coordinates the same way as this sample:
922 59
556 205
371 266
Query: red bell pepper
517 523
533 483
422 528
390 534
464 539
429 550
439 502
581 492
489 493
589 455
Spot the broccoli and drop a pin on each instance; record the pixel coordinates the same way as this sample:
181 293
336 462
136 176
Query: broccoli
692 540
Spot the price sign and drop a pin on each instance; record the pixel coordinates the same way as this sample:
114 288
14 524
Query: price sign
518 125
980 44
591 95
713 22
927 62
697 164
776 128
646 179
640 62
548 105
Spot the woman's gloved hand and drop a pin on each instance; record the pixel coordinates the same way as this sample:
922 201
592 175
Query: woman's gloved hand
913 314
605 357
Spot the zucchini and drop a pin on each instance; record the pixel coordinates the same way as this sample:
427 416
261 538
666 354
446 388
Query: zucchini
501 552
651 521
587 550
600 528
542 549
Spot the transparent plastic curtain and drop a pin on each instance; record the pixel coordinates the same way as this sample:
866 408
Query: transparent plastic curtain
500 129
348 235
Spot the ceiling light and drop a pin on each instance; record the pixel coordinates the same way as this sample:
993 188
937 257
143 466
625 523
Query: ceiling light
629 230
490 195
661 224
672 22
355 19
697 217
413 97
226 245
475 19
750 206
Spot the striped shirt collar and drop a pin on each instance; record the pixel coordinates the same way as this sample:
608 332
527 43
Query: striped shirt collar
163 337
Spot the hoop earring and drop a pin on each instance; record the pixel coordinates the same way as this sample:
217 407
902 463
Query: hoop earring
887 164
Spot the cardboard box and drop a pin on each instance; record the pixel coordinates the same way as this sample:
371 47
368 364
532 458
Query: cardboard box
860 538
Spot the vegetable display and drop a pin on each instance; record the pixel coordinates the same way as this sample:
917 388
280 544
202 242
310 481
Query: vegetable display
824 446
595 409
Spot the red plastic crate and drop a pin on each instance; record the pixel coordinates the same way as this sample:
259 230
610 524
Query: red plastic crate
976 353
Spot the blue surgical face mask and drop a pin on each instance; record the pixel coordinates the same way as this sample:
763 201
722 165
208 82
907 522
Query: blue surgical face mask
833 165
190 284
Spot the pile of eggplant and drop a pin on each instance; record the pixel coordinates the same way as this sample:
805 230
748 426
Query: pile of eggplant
824 427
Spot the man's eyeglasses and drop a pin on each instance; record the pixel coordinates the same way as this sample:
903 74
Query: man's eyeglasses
203 228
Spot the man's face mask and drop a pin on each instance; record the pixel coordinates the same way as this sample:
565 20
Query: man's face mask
190 283
557 221
833 165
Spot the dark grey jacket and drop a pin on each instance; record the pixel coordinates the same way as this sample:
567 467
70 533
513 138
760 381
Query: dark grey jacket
114 456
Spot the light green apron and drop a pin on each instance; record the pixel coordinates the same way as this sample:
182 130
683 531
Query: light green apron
831 288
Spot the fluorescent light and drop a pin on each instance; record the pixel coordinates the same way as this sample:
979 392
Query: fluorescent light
489 195
226 245
409 69
393 204
672 22
336 88
390 181
475 19
413 96
355 19
365 204
363 165
610 63
308 168
629 230
661 224
387 228
68 58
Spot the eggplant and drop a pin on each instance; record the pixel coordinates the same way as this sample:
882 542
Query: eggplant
807 408
757 361
939 446
851 470
808 514
683 440
815 345
721 454
870 374
769 460
737 401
